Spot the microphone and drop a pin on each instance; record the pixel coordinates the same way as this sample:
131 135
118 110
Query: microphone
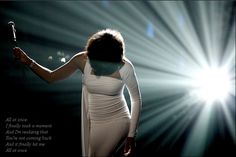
12 25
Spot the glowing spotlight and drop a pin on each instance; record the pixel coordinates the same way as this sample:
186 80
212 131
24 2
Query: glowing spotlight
150 30
63 59
212 85
50 58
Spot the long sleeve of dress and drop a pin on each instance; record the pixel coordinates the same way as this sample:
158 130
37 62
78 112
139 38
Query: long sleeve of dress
129 77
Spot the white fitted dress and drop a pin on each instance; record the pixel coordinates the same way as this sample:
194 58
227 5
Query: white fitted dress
106 119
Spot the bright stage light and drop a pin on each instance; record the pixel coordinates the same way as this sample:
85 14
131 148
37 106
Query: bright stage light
63 59
212 85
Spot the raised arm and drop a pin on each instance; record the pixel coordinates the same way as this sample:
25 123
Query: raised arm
50 76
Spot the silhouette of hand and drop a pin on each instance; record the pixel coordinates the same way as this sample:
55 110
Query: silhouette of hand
129 146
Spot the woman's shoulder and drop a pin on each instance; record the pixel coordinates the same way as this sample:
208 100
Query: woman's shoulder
82 55
80 59
127 67
127 63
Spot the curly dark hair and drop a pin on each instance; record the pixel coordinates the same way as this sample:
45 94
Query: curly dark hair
105 50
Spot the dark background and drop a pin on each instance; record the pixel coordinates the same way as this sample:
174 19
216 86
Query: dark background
25 95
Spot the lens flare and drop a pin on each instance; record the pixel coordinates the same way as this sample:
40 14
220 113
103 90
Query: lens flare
212 85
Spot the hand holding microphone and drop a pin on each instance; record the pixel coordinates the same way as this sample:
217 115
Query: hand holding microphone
19 54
